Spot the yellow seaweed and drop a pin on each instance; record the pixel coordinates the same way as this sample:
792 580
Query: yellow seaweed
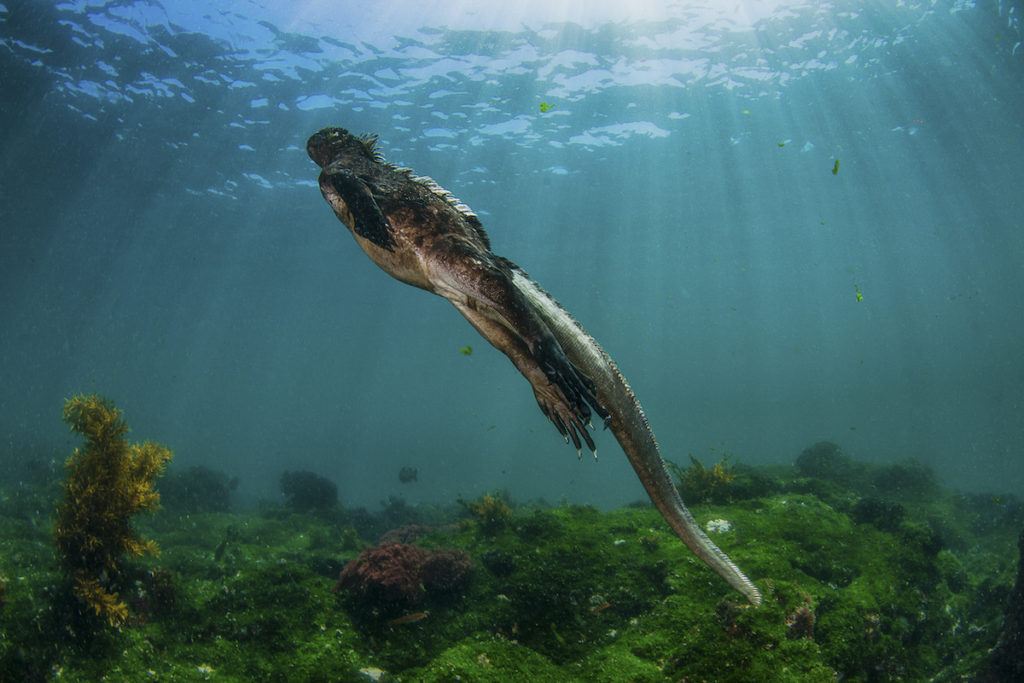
108 481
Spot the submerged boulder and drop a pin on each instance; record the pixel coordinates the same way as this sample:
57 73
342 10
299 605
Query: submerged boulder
1006 663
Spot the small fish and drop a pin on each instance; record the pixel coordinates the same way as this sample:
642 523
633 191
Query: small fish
545 107
466 350
407 619
600 608
407 474
835 168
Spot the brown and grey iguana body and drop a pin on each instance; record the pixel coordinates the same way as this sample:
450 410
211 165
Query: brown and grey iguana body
422 236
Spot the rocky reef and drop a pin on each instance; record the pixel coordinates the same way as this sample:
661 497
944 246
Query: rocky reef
307 491
197 489
870 572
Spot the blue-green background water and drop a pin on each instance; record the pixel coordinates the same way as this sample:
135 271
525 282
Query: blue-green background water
163 242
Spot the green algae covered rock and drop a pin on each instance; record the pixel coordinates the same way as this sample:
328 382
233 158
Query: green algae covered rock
853 590
488 661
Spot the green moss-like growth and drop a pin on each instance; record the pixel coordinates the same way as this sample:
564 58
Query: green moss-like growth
698 484
488 661
108 482
567 593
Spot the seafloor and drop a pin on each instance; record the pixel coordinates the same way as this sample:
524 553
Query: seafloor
869 572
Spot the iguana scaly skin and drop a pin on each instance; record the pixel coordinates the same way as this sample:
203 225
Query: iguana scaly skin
421 235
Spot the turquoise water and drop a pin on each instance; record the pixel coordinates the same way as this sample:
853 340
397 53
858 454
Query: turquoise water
668 174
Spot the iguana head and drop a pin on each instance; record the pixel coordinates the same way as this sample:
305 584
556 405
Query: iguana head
330 144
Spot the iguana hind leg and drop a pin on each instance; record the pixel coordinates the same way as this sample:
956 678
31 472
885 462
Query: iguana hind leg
563 393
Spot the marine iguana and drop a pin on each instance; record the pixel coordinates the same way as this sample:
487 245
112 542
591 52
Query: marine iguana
418 233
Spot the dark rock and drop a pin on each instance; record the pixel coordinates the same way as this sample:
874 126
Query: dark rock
1006 663
824 460
197 489
880 514
306 491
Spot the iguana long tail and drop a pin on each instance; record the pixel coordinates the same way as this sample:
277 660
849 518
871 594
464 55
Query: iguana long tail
629 425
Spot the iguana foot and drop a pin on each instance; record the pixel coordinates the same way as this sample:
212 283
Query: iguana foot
569 396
